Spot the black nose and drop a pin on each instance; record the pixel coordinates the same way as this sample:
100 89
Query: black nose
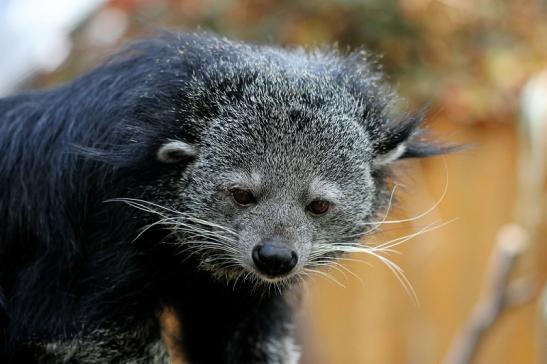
274 258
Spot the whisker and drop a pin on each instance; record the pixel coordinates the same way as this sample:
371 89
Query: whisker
395 242
385 248
142 203
331 265
211 224
397 271
325 275
428 211
188 228
339 267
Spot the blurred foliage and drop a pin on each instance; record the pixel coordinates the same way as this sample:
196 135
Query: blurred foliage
467 58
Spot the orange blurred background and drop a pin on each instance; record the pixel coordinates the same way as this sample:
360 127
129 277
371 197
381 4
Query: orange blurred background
469 61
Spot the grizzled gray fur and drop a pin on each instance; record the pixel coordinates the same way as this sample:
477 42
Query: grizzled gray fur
191 172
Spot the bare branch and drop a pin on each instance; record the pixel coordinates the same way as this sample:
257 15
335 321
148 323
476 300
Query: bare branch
510 244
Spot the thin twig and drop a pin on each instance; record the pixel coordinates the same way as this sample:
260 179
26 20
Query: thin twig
511 243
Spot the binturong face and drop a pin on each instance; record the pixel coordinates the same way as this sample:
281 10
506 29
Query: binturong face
282 190
289 171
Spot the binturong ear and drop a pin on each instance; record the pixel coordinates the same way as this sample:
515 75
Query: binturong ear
176 151
405 139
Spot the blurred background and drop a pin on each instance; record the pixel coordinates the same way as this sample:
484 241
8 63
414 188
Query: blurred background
480 66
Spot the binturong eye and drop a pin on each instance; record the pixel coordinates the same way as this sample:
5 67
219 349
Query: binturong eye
242 197
319 207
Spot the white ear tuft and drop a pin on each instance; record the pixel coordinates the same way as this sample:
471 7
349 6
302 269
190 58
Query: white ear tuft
176 151
391 156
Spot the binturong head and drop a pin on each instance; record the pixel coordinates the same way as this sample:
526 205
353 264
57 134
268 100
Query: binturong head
287 168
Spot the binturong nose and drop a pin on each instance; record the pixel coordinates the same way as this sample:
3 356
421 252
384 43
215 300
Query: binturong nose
274 258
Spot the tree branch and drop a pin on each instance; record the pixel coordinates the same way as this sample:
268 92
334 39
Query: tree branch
510 244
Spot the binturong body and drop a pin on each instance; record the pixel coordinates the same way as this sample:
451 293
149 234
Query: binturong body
189 172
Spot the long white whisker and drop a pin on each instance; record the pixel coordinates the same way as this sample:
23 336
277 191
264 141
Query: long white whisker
397 271
142 203
395 242
340 267
325 275
428 211
211 224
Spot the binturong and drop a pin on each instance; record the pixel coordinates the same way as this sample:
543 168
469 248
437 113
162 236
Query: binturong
194 173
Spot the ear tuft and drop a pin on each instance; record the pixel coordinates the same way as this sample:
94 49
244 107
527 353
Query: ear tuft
406 139
397 153
176 151
424 149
